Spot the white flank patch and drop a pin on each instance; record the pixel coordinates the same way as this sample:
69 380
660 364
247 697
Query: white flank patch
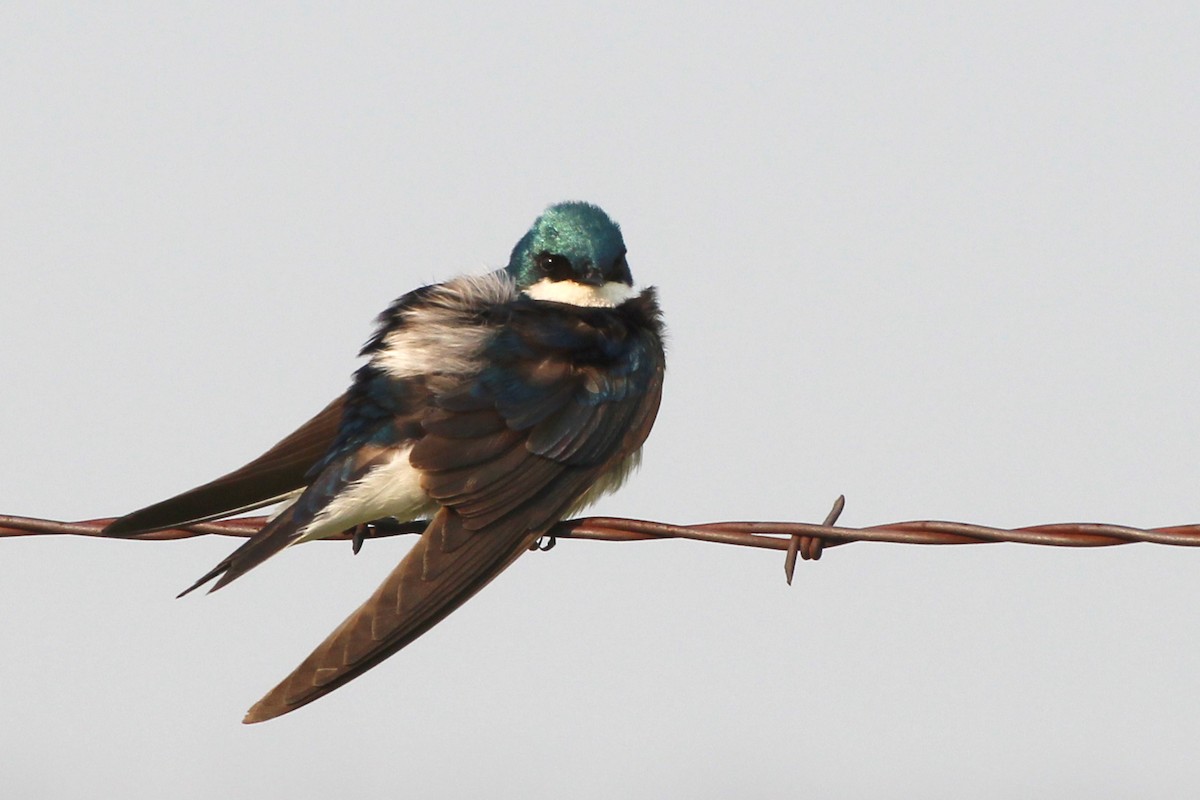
423 348
392 489
610 295
607 483
440 335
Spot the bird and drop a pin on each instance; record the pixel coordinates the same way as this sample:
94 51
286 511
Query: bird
493 405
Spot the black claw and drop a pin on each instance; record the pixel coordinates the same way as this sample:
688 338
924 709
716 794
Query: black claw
361 532
544 543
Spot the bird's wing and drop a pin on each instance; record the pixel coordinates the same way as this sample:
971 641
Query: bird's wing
377 422
265 480
338 474
506 455
287 467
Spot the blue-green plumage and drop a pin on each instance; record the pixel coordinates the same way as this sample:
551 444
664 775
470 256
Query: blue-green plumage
570 240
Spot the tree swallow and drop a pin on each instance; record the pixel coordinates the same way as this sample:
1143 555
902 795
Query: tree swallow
494 405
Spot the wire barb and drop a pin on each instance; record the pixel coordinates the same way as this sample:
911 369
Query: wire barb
810 547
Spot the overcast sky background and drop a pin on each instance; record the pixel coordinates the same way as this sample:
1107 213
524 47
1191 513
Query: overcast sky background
943 259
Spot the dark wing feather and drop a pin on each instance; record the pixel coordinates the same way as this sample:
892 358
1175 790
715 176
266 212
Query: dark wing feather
378 423
273 475
286 528
415 593
491 516
288 465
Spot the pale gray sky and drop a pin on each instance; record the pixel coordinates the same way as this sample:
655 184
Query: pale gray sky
944 259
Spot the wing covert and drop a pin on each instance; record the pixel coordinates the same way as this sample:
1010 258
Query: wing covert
564 396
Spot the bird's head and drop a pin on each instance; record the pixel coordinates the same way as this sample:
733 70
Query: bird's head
573 254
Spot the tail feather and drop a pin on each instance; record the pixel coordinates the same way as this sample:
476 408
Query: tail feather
274 536
446 567
267 479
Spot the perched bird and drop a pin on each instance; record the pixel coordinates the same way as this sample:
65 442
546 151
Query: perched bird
495 405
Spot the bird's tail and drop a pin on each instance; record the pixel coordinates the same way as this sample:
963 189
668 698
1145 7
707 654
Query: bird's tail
273 537
443 570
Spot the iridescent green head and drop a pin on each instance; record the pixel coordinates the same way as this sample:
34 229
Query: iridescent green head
574 244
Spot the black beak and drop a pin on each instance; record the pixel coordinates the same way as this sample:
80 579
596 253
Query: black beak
591 276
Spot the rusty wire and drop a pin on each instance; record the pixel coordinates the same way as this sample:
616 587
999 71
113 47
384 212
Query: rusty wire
794 538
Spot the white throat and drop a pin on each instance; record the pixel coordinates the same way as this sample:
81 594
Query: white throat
609 295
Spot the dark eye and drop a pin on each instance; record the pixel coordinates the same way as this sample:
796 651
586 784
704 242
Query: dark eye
555 267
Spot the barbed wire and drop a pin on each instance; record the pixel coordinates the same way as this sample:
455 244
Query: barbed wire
796 539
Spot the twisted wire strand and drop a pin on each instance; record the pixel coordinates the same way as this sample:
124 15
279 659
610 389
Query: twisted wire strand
795 538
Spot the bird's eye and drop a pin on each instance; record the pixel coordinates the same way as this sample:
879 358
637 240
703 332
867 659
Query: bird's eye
555 267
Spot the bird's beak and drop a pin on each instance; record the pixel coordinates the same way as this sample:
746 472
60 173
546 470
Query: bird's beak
592 277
